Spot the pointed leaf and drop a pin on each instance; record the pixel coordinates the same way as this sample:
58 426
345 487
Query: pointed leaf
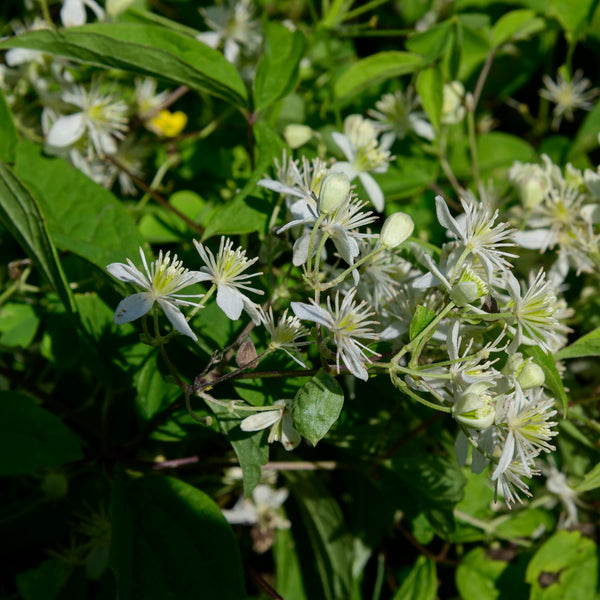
23 217
144 49
317 406
430 85
421 582
170 540
587 345
8 132
423 316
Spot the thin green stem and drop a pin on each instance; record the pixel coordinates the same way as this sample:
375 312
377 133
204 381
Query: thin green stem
171 161
352 267
363 9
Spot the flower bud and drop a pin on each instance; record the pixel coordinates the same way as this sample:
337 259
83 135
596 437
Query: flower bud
396 229
531 375
453 110
514 364
55 486
334 191
475 408
297 135
464 293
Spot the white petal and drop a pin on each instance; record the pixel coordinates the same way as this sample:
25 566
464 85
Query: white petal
66 130
300 251
344 167
96 9
174 314
310 312
245 513
252 309
373 190
445 218
261 420
422 127
133 307
229 300
536 239
344 144
210 38
231 51
72 13
290 438
128 274
279 187
263 494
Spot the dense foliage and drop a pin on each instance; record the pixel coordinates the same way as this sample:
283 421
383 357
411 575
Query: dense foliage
300 300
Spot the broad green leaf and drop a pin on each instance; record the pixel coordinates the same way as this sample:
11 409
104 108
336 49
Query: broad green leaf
45 581
317 406
515 26
247 213
170 540
136 15
278 69
24 218
375 69
8 132
569 562
423 316
290 583
32 437
587 345
323 523
409 176
431 43
250 447
574 17
586 138
421 582
553 379
591 481
18 324
430 85
81 215
525 524
144 49
481 576
154 392
453 58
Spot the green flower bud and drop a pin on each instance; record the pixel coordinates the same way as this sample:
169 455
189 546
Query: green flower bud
514 364
297 135
475 409
55 486
464 293
531 375
396 229
334 191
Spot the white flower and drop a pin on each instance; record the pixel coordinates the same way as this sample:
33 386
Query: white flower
164 278
233 27
285 333
146 98
453 110
102 117
533 310
346 322
556 483
568 95
365 153
396 114
226 271
73 14
280 422
477 234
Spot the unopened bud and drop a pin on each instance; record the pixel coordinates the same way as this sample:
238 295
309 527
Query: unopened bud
297 135
334 191
475 408
55 486
531 375
464 293
396 229
532 191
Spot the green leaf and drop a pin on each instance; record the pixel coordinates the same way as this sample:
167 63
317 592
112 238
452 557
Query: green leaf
553 380
586 138
409 176
154 393
421 582
32 437
317 406
246 213
574 17
430 85
278 69
144 49
24 219
8 132
81 215
569 564
250 447
515 26
290 583
18 324
591 481
423 316
587 345
375 69
478 575
170 540
325 527
45 581
431 43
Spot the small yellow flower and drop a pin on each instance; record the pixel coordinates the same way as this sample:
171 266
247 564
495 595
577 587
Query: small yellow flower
168 124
